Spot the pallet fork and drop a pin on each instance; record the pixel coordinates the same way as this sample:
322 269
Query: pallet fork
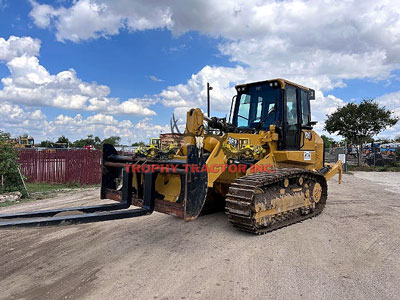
117 184
87 214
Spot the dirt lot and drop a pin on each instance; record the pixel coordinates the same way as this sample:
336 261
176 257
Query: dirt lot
350 251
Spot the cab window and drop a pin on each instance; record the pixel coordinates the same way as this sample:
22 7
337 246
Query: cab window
305 109
244 110
259 108
256 106
291 106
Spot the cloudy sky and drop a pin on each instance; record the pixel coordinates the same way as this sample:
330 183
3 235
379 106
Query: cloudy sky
122 67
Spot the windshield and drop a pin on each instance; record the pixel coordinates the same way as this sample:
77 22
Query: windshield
155 142
256 106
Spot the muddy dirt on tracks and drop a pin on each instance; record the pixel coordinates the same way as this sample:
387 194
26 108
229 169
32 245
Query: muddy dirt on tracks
350 251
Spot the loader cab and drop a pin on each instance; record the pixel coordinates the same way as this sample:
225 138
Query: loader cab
155 143
258 105
275 102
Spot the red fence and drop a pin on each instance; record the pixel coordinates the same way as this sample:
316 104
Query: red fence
77 166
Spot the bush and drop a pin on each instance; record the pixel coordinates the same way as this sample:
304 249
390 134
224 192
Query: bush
9 166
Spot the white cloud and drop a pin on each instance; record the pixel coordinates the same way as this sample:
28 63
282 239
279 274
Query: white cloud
316 43
103 125
321 107
18 46
391 101
31 84
43 14
155 78
149 129
18 120
194 92
88 19
133 106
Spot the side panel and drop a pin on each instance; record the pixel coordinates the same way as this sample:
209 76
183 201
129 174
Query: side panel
308 139
304 159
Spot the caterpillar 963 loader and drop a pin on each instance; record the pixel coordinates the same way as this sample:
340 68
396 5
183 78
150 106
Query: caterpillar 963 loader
265 166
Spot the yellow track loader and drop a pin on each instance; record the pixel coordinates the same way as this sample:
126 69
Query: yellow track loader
264 166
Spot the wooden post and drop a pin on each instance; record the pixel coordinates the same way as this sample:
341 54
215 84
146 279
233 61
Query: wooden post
22 178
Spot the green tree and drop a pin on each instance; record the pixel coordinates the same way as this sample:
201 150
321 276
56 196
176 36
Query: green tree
113 140
97 142
89 141
359 123
328 141
47 144
93 141
136 144
63 140
79 143
10 179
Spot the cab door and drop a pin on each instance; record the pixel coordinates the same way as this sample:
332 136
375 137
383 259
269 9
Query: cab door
292 118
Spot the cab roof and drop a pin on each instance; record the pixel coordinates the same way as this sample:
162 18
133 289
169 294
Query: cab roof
281 81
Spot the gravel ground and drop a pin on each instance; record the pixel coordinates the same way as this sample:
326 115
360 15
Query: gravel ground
350 251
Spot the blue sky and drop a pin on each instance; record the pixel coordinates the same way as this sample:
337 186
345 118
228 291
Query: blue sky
122 68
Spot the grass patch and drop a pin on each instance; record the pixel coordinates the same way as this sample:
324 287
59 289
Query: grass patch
40 187
44 187
39 190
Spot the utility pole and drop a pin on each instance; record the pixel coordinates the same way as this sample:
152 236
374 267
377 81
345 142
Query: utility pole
209 88
345 156
373 151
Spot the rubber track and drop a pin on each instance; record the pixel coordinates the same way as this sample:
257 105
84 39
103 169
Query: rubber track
240 199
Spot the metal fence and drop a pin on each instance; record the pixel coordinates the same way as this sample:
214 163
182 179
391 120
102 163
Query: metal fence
332 155
62 166
371 157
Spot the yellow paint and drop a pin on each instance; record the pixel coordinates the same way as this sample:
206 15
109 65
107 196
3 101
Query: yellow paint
169 185
334 169
282 205
194 128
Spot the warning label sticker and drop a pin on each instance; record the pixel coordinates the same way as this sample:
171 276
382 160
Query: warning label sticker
307 155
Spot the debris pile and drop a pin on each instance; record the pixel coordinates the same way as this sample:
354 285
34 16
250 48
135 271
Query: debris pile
10 197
